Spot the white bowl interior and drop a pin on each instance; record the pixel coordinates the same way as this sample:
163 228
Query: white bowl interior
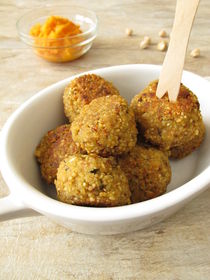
45 111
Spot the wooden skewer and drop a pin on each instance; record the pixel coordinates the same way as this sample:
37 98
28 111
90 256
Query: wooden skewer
171 73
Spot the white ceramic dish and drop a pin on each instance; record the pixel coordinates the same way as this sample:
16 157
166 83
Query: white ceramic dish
44 111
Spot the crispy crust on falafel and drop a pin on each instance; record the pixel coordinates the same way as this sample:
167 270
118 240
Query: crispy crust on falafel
105 127
148 172
53 148
82 90
176 127
92 181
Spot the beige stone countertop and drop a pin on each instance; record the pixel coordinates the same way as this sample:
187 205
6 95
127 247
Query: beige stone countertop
35 247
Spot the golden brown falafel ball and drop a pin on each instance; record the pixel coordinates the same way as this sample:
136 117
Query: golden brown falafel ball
148 172
82 91
176 127
92 181
105 127
53 148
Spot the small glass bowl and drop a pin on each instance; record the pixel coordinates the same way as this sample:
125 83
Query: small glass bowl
59 49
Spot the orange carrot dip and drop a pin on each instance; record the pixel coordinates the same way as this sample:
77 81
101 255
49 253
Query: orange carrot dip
53 41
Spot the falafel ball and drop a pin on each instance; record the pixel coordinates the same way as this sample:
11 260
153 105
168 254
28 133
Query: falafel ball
82 91
53 148
148 171
91 180
105 127
176 127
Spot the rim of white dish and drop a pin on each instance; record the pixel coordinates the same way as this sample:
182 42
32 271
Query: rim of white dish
40 202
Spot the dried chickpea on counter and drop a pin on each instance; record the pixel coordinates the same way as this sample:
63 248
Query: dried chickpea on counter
55 40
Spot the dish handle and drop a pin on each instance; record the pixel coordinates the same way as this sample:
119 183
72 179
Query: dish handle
10 208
